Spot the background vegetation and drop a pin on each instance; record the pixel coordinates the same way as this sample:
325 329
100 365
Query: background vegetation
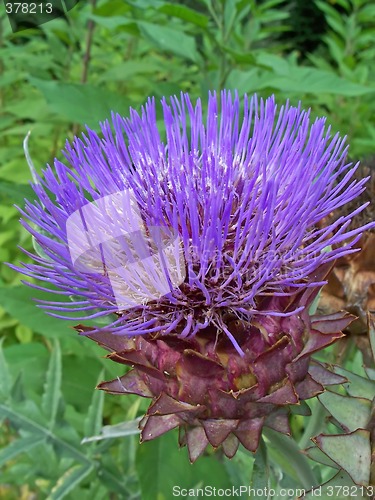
108 55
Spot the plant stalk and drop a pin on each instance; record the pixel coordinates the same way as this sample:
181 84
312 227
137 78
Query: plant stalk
314 425
293 454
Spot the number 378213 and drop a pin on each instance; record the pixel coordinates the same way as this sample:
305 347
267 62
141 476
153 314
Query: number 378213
28 8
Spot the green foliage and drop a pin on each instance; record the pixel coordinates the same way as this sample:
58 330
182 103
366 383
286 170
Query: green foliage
352 414
348 51
60 438
43 430
158 476
351 452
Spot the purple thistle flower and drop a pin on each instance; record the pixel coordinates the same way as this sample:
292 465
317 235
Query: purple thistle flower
211 295
244 193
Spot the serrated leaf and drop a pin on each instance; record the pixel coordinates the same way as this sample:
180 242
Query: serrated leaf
5 378
350 412
317 455
22 421
70 480
94 418
357 386
123 429
334 488
27 407
52 388
352 452
17 447
115 481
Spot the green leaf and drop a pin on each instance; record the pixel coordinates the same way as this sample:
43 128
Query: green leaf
301 409
314 81
123 429
114 481
269 4
240 467
79 387
163 469
314 424
287 454
29 361
185 13
370 372
19 446
286 76
366 13
170 40
80 103
5 378
18 302
352 452
52 389
336 488
111 22
260 478
23 333
18 392
94 418
70 480
329 10
15 193
129 69
25 422
314 306
318 456
350 412
239 57
357 386
112 8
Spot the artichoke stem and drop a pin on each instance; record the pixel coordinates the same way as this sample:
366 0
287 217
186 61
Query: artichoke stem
293 455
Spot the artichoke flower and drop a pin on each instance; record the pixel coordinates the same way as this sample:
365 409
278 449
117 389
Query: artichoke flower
196 251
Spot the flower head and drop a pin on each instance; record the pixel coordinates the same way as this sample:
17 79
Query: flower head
203 240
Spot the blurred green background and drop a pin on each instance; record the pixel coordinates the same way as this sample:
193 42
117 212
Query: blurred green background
108 55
